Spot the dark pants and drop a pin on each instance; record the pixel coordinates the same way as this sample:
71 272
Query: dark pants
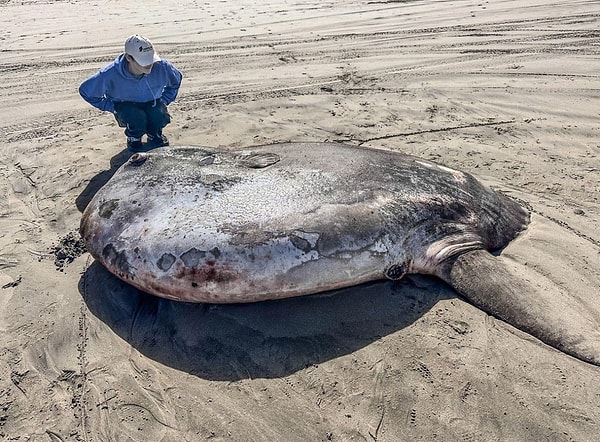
142 118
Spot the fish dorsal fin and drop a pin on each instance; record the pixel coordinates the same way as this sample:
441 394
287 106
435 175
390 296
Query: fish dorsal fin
259 160
491 284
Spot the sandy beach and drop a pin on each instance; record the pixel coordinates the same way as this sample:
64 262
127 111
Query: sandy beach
508 90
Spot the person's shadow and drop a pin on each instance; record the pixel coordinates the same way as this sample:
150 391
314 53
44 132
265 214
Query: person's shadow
100 180
257 340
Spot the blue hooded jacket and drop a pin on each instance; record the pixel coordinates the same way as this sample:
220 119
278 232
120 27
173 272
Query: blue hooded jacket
114 83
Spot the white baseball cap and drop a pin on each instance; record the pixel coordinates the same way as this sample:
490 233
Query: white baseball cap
141 49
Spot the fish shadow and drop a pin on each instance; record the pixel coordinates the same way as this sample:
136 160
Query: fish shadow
101 179
257 340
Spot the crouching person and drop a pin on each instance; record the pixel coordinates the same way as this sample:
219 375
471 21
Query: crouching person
136 87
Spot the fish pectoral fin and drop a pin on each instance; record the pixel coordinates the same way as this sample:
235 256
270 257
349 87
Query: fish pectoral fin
260 160
552 316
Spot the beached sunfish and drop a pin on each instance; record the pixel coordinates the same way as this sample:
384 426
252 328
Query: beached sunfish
200 224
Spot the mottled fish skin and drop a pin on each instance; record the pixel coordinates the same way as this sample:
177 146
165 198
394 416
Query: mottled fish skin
267 222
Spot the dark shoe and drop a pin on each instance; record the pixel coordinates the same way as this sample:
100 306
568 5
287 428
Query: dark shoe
155 141
134 144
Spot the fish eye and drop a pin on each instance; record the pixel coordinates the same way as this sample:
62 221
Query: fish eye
137 159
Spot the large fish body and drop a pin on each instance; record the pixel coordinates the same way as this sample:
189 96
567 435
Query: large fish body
222 226
204 225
